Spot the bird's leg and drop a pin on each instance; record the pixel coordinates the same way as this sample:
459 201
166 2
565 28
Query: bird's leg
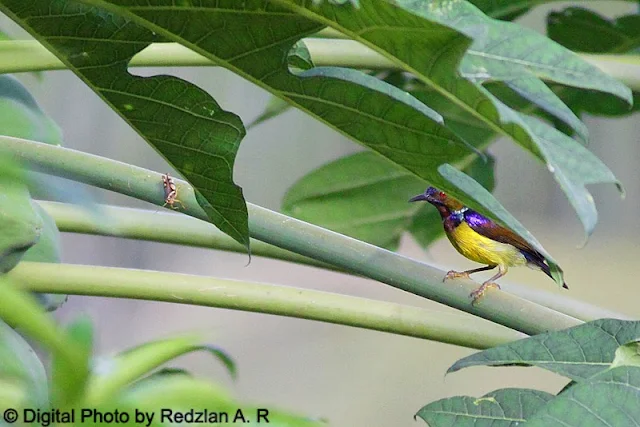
458 274
478 293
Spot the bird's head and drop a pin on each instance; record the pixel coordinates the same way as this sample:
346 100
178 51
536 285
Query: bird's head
440 200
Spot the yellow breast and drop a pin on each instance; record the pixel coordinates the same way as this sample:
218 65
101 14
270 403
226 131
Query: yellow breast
483 250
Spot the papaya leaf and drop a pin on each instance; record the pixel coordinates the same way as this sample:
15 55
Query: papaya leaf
181 121
577 353
389 30
371 112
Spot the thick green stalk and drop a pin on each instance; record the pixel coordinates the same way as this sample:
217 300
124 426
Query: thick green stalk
159 226
297 236
183 230
27 55
262 298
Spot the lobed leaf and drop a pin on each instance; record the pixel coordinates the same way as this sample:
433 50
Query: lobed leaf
181 121
371 112
578 353
391 30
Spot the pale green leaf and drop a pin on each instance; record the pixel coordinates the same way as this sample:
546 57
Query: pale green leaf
508 407
609 399
578 353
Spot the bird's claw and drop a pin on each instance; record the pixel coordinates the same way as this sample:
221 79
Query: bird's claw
479 293
456 275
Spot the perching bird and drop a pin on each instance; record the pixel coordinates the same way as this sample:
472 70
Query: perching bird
482 240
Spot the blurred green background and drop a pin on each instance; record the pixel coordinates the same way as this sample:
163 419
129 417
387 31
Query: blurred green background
349 376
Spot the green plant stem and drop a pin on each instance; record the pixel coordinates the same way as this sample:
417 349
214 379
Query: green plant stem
27 55
297 236
262 298
159 226
179 229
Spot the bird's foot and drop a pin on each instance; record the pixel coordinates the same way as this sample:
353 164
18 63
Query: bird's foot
456 275
479 293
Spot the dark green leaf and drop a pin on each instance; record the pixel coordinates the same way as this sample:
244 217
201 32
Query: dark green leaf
377 120
578 353
508 407
21 226
586 31
363 108
365 196
358 105
597 104
46 250
609 399
181 121
505 9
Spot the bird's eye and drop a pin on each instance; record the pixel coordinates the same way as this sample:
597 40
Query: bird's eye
441 194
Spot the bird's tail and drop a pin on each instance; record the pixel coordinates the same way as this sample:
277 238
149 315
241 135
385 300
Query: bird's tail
544 267
538 261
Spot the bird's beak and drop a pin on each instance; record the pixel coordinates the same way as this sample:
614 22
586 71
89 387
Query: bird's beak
419 197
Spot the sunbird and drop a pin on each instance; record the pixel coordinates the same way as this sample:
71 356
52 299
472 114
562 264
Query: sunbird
482 240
